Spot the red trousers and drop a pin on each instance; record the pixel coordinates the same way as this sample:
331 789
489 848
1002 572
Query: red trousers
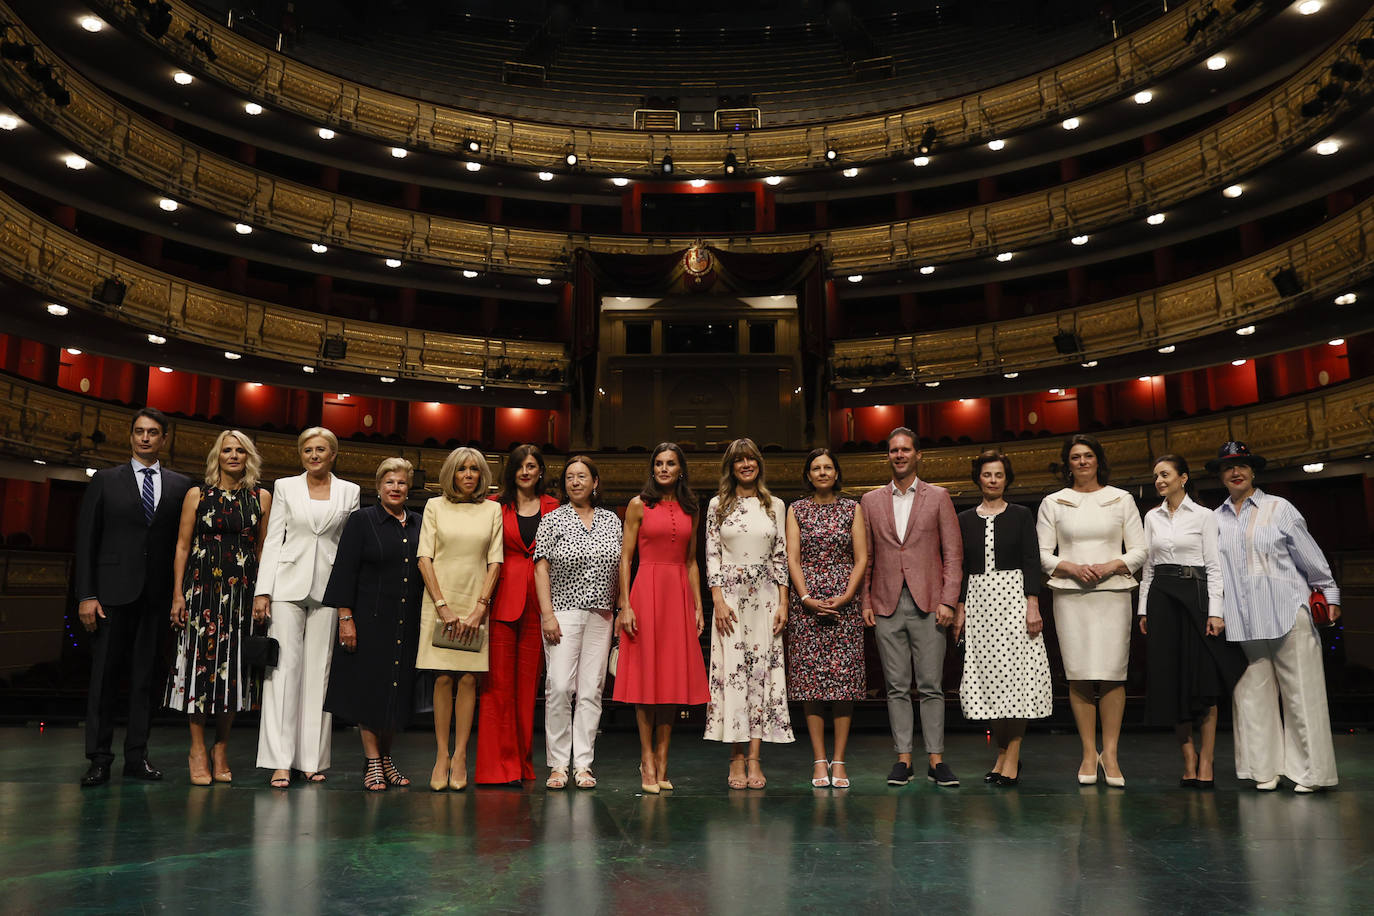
505 716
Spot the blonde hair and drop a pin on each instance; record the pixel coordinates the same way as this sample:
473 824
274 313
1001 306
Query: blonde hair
725 495
318 432
252 470
455 460
391 465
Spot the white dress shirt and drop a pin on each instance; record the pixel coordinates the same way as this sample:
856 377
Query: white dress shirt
156 468
1186 537
901 506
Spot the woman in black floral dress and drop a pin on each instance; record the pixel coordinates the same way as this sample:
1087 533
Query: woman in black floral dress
216 563
827 551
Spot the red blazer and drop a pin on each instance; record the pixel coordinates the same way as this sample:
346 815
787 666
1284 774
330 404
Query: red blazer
929 558
516 585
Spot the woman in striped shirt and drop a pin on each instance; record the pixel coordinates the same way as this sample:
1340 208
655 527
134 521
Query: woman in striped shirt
1270 564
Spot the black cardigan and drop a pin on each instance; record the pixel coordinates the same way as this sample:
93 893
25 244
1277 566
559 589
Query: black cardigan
1014 545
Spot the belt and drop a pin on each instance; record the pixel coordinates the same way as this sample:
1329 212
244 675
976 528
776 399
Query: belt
1174 570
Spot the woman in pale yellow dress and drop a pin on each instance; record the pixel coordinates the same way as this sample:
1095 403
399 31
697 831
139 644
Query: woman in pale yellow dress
460 559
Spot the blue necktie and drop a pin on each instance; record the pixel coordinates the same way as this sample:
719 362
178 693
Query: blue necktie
148 506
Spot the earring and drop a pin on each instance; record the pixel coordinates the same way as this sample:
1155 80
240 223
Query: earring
593 493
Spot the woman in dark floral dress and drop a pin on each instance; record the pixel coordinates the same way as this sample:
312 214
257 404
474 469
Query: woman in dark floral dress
827 551
222 527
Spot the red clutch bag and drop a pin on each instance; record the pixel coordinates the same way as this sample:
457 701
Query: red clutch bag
1321 612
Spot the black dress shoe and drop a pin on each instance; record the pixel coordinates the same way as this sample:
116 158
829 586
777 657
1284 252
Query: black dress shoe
97 775
900 775
991 776
1187 783
1009 781
141 769
1204 784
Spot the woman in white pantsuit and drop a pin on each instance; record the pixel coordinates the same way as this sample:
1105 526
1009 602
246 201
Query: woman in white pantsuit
576 578
1091 544
297 558
1270 565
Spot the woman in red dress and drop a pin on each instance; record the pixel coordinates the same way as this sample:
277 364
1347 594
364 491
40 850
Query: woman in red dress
505 718
661 666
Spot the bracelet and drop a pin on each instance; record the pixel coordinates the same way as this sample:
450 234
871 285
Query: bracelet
484 601
342 619
441 603
802 599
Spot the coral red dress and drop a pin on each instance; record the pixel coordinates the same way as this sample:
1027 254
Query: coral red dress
663 663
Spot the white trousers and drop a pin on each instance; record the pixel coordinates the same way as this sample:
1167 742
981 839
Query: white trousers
1284 673
576 667
294 733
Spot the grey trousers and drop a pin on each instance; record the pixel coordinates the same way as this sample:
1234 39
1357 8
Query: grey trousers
910 637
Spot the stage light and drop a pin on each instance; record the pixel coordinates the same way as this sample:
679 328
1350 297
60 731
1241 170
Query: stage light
74 351
855 278
1071 124
231 355
1011 375
1057 391
996 145
928 269
473 166
1090 364
399 153
166 203
620 182
57 311
921 161
1079 240
386 379
850 172
308 370
1155 219
243 229
546 176
182 78
1168 349
91 23
698 182
165 370
1246 331
325 133
1338 342
831 154
773 180
932 384
1328 147
1346 299
1316 467
8 122
541 391
1143 97
665 165
393 263
157 339
928 137
857 390
74 162
1232 192
1238 362
252 108
464 387
731 163
472 145
318 248
543 281
470 274
1005 256
1216 62
570 158
90 472
1308 7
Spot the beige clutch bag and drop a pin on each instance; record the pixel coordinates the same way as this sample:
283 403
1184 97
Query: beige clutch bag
445 640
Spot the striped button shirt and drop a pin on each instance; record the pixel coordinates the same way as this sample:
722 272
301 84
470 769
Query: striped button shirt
1270 564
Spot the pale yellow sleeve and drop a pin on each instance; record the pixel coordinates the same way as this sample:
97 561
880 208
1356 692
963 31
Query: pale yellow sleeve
428 535
495 552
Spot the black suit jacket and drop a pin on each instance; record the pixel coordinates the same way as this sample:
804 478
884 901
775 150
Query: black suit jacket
119 554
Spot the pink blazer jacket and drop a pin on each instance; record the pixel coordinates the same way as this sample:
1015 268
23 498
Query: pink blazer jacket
929 559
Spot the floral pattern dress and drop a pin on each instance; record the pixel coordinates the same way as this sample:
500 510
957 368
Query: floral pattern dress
826 654
209 674
746 557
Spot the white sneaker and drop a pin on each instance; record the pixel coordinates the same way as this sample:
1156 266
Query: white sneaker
1269 785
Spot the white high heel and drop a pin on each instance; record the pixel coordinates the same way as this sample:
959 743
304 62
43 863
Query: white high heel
1116 782
839 782
824 781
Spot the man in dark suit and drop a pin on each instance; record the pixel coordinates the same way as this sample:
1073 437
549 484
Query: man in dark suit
125 539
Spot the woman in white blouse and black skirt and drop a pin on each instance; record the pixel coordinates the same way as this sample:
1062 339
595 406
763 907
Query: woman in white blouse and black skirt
1190 665
576 570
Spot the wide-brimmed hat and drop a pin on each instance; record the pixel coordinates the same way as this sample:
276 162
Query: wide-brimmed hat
1236 453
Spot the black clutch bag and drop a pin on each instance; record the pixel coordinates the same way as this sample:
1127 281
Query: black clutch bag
261 651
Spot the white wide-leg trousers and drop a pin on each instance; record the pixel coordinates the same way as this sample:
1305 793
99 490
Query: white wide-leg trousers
294 733
575 678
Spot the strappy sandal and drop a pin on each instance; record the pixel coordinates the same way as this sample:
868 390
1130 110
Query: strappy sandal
737 782
759 781
373 780
824 781
317 777
584 779
558 778
839 782
393 775
281 782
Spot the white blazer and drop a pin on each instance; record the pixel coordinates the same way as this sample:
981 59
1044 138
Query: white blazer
298 555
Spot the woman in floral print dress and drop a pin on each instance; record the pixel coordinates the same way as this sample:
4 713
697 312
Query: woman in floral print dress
746 567
216 563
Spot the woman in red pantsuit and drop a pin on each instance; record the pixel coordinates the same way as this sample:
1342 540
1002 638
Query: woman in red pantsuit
505 718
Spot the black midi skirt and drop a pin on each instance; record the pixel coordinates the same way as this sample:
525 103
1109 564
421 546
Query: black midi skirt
1187 671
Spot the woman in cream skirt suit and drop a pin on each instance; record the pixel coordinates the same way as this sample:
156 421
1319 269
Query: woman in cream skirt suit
1091 544
460 559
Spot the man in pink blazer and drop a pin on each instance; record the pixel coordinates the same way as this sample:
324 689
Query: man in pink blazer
915 562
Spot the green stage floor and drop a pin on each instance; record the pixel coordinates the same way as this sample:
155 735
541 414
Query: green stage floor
1048 846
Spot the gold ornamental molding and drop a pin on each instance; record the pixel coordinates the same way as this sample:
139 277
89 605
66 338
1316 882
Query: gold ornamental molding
1335 422
105 130
57 263
282 82
1328 259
